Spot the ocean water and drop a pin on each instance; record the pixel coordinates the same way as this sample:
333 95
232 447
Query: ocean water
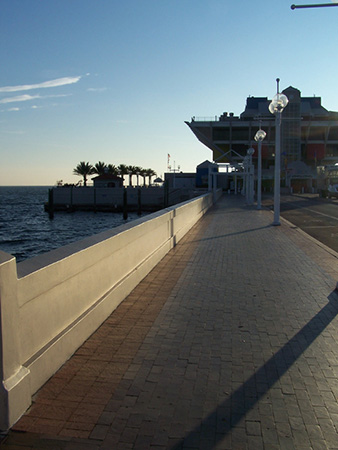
27 231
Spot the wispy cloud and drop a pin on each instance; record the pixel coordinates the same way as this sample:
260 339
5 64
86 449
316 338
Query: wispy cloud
13 109
27 97
19 98
46 84
97 89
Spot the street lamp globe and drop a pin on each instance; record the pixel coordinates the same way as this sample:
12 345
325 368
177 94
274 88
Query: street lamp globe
278 103
260 135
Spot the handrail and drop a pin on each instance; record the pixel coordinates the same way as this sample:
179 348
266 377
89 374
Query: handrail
205 119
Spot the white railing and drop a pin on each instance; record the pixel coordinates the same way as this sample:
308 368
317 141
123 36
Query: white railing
52 303
205 119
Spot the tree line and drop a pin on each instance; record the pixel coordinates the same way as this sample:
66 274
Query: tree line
85 169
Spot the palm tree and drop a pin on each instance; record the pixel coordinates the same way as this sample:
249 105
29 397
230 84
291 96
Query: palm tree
100 168
122 169
84 169
112 169
138 171
150 173
143 174
132 170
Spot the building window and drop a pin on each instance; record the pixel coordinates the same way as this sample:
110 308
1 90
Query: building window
240 134
221 134
333 134
317 134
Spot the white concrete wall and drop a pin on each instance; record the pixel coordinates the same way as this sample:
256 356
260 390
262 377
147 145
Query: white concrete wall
89 196
103 196
52 303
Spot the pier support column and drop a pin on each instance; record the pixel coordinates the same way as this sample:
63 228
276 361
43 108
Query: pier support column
51 203
139 202
125 204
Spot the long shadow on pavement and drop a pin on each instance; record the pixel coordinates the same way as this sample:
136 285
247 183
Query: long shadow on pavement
232 234
229 413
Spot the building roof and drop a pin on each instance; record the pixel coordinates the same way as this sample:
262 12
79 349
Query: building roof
206 163
309 106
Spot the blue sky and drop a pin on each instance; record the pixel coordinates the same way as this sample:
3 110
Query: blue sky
114 81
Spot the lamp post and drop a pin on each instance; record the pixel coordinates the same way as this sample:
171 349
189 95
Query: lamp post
259 137
245 178
317 5
174 170
276 107
245 190
250 183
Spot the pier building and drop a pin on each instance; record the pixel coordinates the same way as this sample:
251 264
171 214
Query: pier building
309 135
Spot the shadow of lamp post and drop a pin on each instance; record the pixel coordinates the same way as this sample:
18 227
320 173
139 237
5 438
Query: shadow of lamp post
276 107
259 137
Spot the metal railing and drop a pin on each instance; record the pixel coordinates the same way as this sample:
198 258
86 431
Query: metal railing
205 119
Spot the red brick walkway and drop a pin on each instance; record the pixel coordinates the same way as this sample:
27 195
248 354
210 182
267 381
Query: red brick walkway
229 343
72 402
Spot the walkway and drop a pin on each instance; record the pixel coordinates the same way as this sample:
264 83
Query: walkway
231 342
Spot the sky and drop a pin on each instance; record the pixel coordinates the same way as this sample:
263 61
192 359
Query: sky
115 80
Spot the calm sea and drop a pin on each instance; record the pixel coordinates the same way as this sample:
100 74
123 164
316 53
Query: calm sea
26 230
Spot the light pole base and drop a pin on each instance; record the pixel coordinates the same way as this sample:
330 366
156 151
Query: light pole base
276 224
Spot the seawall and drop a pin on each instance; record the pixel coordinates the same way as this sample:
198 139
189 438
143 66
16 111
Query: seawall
52 303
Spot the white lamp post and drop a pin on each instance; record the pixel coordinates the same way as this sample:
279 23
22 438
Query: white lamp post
317 5
245 177
259 137
276 107
174 170
250 184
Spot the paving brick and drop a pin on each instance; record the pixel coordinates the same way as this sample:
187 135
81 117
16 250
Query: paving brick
229 343
253 428
99 432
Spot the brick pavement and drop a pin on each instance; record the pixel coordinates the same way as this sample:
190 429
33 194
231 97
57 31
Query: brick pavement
229 343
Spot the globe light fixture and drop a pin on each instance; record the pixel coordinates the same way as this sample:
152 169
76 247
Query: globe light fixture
259 137
276 107
279 102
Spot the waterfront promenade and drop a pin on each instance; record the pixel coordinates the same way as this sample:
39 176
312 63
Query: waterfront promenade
231 342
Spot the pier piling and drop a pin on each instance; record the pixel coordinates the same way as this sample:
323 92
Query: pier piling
125 205
139 202
51 204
